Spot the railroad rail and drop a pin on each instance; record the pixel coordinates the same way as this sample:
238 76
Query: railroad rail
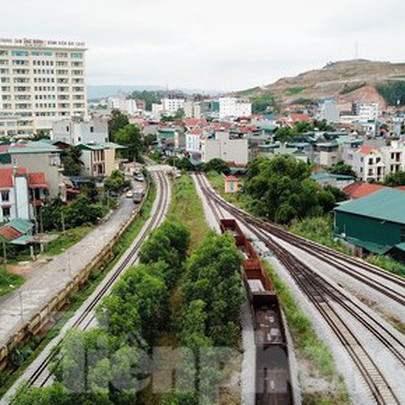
38 374
325 296
337 260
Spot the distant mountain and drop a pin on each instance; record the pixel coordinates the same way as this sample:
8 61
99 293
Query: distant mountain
102 91
346 81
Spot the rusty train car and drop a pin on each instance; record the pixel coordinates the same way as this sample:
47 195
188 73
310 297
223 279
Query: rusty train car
272 378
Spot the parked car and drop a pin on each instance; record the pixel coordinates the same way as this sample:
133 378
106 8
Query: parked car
139 177
129 194
113 193
138 196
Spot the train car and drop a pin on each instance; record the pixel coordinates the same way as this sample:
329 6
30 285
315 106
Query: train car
273 384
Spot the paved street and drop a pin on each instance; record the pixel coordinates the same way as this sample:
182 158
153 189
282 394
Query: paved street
51 277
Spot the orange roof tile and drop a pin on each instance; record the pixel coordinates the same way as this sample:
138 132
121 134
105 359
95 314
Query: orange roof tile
358 190
6 176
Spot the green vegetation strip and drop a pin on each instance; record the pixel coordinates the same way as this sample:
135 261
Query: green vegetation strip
187 209
308 344
24 355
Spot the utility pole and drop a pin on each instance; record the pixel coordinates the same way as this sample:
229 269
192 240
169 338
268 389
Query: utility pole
63 221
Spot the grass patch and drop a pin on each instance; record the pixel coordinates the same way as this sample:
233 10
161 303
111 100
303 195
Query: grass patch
7 379
186 208
9 279
318 229
387 263
347 88
67 239
291 91
240 199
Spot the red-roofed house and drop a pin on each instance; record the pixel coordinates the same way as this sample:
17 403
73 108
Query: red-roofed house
191 123
368 163
232 184
20 193
193 141
292 119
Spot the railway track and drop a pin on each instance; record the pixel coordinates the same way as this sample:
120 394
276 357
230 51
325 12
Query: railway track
325 297
339 261
38 374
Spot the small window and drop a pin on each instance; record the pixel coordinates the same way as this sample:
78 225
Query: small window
6 212
67 129
402 234
5 196
91 129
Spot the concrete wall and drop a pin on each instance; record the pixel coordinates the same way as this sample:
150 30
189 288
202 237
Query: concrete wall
48 163
75 132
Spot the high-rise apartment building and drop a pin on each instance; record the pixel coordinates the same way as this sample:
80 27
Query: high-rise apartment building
40 81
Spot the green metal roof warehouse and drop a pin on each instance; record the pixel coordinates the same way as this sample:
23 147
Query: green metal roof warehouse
375 223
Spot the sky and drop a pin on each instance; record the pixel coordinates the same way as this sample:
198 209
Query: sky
211 44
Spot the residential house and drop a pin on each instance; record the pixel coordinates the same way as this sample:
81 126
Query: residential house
99 159
75 131
223 147
37 157
339 181
193 141
368 164
231 184
21 193
192 109
234 107
329 111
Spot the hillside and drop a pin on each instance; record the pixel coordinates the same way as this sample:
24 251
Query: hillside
346 81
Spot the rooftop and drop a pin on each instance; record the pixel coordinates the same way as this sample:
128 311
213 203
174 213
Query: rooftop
386 205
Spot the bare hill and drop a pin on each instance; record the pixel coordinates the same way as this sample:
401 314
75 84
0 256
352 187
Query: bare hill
346 81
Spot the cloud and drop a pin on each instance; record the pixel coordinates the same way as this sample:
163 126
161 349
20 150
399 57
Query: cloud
223 44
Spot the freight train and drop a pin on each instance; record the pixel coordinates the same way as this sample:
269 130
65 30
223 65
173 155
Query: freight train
273 382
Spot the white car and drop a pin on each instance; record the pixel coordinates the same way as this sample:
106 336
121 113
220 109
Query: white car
129 194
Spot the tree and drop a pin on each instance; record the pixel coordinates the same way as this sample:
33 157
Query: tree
82 211
116 182
217 165
168 244
281 189
262 104
180 114
213 278
395 179
342 168
117 121
285 134
130 136
71 161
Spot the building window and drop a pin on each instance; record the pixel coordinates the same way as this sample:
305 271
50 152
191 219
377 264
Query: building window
5 196
91 129
6 212
402 234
